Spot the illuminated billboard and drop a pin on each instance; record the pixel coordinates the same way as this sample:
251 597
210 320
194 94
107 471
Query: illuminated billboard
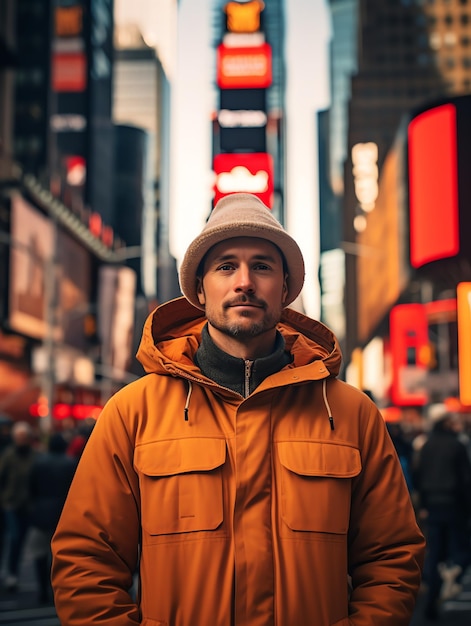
69 60
250 172
244 17
409 339
32 242
433 185
244 68
69 72
116 304
31 277
242 121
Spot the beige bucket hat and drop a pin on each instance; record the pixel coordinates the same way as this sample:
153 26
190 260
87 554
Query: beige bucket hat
241 215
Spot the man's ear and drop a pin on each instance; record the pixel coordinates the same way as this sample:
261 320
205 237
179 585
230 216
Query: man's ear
284 291
200 290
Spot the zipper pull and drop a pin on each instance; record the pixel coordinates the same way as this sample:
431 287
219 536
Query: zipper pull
248 372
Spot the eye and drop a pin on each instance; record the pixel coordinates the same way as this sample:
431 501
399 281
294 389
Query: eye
225 267
262 267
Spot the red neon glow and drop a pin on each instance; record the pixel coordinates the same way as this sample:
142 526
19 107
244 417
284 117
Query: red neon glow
440 307
464 341
61 410
95 224
433 186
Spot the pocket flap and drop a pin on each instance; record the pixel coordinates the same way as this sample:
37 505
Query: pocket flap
319 458
178 456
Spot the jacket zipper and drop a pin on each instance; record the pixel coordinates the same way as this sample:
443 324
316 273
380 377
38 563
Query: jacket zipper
248 372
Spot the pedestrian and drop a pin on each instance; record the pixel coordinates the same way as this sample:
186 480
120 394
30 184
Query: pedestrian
6 424
78 442
443 483
51 475
15 467
404 451
245 481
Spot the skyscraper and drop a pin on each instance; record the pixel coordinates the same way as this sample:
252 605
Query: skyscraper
409 53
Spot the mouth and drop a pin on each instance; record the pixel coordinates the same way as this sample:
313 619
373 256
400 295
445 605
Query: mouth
244 305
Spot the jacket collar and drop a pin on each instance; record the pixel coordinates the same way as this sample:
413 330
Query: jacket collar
229 371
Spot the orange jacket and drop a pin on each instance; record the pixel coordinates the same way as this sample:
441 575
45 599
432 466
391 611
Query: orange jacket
247 512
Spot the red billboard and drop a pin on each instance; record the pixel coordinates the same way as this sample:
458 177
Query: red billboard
250 172
433 185
408 327
69 72
244 68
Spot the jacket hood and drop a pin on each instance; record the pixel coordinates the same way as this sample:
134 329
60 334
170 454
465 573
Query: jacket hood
172 334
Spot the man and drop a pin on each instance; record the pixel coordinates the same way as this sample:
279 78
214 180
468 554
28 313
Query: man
443 482
50 479
15 470
248 484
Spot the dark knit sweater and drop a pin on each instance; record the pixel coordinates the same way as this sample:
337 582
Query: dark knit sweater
229 371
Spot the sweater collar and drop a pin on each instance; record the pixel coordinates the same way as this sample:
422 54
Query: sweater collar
229 371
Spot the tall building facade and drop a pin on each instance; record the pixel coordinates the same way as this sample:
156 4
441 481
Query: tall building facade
410 56
57 202
247 131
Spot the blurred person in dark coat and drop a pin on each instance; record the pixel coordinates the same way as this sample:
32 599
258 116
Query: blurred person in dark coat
15 468
77 444
443 482
404 450
51 475
6 424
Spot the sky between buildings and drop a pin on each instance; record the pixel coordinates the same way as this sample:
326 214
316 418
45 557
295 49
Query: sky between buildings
307 75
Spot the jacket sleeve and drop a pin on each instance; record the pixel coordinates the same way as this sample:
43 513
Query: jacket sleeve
386 546
95 546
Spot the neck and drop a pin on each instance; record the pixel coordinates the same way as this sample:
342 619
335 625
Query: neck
250 348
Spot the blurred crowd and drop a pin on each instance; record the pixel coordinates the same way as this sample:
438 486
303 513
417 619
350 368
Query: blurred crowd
436 461
35 475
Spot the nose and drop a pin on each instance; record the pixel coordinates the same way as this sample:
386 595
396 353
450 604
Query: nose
243 279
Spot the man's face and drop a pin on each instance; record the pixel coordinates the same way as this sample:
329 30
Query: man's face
244 287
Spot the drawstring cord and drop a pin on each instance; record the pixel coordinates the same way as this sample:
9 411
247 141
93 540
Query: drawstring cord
327 405
187 403
324 394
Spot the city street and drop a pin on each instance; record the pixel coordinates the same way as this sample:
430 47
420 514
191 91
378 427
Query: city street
456 612
22 609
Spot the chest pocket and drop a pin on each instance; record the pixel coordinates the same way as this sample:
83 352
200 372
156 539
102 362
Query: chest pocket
315 485
181 484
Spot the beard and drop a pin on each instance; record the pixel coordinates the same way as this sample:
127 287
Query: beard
244 329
